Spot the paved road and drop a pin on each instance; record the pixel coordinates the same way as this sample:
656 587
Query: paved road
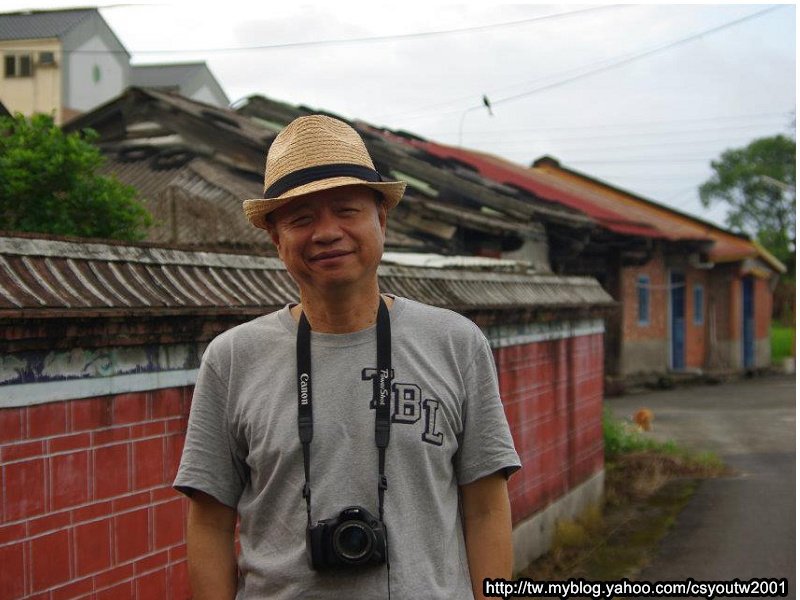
734 527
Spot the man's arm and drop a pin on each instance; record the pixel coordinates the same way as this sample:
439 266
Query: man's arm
487 530
210 548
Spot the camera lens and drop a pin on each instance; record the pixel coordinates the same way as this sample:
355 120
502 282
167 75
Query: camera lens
352 541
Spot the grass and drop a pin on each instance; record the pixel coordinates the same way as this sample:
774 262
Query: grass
620 438
781 337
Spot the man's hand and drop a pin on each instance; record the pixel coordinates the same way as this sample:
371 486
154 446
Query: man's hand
210 548
487 530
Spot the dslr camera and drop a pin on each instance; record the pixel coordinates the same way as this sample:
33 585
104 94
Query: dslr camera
355 538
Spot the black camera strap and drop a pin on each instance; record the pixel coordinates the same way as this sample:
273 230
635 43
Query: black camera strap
381 400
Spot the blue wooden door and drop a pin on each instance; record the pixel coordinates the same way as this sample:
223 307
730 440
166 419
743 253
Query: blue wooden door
677 286
748 323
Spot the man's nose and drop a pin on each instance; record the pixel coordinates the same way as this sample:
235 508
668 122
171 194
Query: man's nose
326 228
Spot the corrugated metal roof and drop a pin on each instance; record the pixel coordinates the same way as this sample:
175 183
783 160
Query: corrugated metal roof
510 173
388 149
139 173
31 25
196 195
152 138
56 278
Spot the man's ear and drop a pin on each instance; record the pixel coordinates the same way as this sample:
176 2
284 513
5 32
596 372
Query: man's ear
383 215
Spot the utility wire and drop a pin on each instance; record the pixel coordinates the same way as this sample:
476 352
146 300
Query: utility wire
572 147
772 115
361 40
424 109
615 64
620 61
645 54
607 136
658 160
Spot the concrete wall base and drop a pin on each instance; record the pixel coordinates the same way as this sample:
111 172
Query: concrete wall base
533 536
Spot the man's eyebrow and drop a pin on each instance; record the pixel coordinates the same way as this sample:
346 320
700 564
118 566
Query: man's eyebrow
296 207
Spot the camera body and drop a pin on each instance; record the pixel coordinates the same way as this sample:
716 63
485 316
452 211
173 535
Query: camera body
354 538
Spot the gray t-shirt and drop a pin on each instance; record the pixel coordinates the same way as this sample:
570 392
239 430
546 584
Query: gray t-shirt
448 429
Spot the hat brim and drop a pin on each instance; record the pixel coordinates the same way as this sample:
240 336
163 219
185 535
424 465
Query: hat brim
256 209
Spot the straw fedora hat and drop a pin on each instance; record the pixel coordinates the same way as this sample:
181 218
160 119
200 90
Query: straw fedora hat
314 153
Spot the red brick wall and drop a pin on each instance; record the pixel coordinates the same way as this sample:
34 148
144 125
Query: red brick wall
87 509
553 396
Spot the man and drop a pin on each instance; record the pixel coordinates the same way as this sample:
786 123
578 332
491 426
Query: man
422 380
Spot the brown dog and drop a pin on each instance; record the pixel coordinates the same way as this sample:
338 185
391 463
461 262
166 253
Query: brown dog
644 419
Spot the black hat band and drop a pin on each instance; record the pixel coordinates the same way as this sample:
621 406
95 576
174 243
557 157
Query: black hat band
309 174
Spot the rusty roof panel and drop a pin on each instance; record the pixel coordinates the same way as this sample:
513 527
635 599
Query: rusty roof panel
60 278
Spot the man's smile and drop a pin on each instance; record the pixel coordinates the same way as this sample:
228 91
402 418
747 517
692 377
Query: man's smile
329 255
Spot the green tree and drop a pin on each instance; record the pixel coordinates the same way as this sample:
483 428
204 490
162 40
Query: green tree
758 184
49 183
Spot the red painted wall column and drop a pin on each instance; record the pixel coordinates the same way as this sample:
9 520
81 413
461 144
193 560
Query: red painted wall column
542 395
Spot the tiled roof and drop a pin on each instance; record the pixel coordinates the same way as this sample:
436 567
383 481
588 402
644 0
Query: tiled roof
30 25
60 278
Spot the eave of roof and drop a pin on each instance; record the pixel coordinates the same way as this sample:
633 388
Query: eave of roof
54 278
728 246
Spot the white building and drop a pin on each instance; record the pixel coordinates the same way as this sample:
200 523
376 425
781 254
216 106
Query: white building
193 80
67 62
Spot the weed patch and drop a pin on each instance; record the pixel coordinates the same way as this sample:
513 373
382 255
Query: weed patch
647 484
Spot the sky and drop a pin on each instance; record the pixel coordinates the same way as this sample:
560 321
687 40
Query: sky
641 96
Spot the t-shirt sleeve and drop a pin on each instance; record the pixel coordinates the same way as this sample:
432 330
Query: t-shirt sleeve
486 445
209 463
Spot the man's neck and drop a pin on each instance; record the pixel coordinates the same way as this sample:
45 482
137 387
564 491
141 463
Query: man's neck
339 314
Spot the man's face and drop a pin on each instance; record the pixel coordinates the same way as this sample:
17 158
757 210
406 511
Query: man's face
330 239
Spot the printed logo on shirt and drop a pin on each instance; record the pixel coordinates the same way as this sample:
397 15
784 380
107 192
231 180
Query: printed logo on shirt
408 405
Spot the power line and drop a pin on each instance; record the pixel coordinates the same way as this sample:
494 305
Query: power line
625 147
621 61
645 54
772 115
360 40
681 177
644 134
658 160
460 99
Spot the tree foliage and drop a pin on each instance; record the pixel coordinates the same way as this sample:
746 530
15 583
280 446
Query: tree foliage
49 183
758 184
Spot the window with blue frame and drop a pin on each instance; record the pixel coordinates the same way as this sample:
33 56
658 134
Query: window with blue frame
643 295
698 304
